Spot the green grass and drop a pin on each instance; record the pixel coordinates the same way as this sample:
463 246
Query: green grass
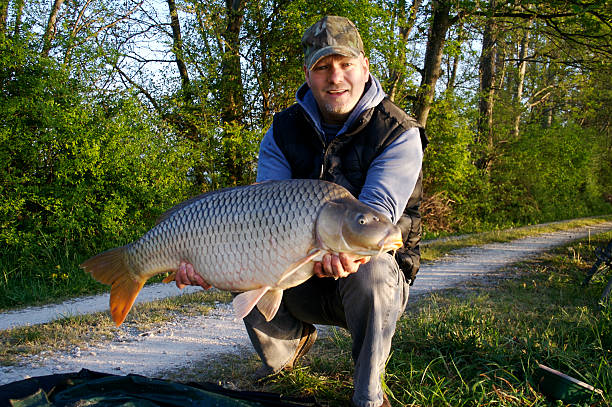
478 345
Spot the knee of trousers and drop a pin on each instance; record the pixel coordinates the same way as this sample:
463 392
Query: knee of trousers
380 281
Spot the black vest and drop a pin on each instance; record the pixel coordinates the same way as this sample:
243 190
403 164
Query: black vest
347 158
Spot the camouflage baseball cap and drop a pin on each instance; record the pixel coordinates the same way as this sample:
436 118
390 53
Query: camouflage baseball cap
331 35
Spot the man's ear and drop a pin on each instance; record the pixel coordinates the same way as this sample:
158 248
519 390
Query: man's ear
307 75
366 63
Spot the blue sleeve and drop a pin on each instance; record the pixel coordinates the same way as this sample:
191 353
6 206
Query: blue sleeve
393 174
272 164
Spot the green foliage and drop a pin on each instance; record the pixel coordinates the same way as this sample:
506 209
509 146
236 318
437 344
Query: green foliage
78 175
448 160
547 174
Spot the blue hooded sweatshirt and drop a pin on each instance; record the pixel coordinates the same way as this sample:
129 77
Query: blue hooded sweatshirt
392 175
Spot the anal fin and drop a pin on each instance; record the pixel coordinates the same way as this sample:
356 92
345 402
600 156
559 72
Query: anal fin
268 304
246 301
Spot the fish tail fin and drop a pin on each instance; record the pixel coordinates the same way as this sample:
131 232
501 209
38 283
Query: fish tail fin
111 268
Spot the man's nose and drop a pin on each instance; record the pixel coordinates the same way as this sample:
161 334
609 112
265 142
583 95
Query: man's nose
335 74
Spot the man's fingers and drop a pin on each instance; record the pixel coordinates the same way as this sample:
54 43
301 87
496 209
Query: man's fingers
337 267
318 270
179 278
351 263
364 260
326 265
186 275
348 263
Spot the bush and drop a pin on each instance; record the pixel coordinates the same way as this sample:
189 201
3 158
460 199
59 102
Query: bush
78 175
548 174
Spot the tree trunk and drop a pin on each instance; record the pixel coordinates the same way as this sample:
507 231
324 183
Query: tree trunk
19 4
433 59
4 6
177 48
50 30
487 81
520 80
232 93
548 105
232 96
450 84
406 23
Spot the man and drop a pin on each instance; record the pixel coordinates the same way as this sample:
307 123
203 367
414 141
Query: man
342 129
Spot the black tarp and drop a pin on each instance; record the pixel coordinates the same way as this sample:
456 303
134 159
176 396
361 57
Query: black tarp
89 388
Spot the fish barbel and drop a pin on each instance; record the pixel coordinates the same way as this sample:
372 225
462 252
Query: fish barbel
258 240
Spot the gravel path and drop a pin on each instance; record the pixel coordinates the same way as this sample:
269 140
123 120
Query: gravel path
206 338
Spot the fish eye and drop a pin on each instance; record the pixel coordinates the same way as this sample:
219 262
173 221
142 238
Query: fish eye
361 220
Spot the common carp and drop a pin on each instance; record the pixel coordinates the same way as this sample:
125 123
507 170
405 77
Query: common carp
258 240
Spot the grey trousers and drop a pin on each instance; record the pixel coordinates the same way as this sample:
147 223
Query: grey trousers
367 303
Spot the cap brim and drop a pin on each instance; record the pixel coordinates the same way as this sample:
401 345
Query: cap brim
331 50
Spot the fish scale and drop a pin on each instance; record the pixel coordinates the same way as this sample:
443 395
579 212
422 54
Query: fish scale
257 239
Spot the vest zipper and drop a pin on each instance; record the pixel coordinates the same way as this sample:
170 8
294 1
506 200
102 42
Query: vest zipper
324 155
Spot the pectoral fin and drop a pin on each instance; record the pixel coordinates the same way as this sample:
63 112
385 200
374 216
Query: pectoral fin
295 266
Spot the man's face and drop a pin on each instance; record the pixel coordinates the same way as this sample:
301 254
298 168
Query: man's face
337 83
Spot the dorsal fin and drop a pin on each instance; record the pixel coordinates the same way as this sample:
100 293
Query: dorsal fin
179 206
189 201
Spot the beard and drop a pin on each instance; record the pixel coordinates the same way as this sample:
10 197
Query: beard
337 108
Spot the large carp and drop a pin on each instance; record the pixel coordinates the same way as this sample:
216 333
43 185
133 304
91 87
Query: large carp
258 239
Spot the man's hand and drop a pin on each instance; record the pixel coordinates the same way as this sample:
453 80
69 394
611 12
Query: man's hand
338 266
186 275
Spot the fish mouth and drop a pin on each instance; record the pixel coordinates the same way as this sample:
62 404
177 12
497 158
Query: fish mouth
391 242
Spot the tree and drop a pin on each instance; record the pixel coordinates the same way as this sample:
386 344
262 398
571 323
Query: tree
487 66
4 7
51 29
405 21
177 48
441 21
520 79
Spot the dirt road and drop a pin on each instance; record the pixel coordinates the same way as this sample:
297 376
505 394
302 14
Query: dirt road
207 338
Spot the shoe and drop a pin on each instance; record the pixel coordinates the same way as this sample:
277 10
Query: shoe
385 402
309 336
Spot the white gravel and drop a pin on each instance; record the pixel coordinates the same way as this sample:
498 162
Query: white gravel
206 338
